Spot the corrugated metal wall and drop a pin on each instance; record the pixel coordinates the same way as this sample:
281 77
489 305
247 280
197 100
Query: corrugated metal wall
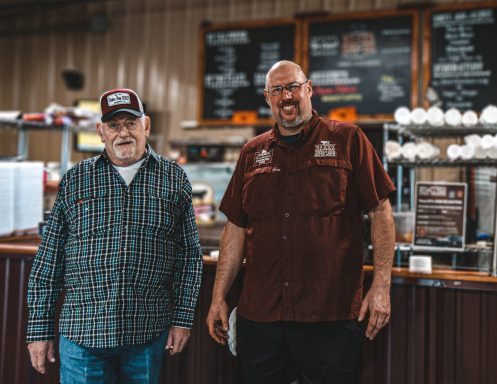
150 46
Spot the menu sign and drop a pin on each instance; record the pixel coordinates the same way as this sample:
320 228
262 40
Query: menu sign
440 215
364 62
236 61
463 70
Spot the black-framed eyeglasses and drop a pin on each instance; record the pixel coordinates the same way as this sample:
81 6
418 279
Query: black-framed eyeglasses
130 125
292 88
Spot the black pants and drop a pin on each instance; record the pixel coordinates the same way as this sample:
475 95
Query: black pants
314 353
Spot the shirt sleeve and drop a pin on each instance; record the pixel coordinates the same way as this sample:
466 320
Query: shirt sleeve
188 263
46 277
372 182
232 202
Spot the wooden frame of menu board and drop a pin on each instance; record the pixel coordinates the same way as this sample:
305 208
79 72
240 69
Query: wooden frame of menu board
467 68
364 64
227 111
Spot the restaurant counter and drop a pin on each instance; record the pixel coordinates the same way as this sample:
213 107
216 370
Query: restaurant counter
442 329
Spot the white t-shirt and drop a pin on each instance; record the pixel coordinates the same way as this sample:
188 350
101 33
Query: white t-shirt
129 172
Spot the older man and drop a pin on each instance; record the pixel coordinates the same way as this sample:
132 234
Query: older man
122 242
295 205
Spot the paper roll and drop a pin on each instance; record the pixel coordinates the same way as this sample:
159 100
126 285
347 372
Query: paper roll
469 118
418 116
402 116
393 150
453 117
467 152
435 116
489 115
409 151
473 140
453 152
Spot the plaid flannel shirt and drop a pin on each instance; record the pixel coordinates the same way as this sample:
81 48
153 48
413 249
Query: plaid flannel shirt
128 257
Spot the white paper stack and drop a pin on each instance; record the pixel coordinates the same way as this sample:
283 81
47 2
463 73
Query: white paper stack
28 189
7 171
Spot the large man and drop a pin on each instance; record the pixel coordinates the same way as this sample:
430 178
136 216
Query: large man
294 207
122 242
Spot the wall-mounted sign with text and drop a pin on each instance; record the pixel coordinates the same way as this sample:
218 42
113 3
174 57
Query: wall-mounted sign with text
440 215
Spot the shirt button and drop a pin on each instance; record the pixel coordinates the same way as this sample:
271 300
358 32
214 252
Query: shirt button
286 284
284 237
287 214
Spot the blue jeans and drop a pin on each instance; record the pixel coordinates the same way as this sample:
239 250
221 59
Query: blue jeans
131 364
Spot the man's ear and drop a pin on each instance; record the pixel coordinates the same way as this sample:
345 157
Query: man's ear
266 96
147 126
100 132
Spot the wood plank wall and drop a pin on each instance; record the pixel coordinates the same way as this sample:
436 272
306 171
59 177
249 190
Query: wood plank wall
437 335
150 46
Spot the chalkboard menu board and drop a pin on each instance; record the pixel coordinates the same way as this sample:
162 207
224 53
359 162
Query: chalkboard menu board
236 60
463 57
363 61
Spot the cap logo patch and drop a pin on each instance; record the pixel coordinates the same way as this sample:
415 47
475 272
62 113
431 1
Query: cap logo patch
118 98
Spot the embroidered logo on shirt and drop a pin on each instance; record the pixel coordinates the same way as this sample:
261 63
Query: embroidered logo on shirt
263 157
325 149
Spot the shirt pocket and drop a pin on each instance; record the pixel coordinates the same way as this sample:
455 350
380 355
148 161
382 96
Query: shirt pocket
321 186
158 216
93 216
260 192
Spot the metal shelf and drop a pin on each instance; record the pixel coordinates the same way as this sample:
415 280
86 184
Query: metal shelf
22 141
407 247
442 131
445 163
414 131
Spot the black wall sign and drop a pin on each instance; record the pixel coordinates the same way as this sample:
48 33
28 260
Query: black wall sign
361 62
463 69
236 61
440 220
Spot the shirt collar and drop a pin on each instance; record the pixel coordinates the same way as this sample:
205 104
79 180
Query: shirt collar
149 154
275 135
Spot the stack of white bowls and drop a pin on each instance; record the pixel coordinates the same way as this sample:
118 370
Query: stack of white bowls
475 147
436 117
411 151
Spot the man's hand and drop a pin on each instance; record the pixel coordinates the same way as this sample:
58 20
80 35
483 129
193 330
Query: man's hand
377 302
177 339
217 321
40 351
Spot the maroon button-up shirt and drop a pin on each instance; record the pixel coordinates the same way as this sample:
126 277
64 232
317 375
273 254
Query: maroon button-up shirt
302 207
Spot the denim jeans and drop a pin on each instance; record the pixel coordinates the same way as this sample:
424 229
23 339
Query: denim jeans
140 363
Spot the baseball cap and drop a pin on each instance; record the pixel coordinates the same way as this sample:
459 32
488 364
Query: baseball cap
120 100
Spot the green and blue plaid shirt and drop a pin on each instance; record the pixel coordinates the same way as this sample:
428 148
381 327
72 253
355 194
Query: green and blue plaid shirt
128 257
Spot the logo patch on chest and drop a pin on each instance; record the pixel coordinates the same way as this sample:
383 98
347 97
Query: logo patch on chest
263 157
325 149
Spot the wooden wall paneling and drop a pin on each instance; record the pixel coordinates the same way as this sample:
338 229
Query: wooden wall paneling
4 289
469 352
489 339
30 77
399 324
431 338
421 331
446 335
12 335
